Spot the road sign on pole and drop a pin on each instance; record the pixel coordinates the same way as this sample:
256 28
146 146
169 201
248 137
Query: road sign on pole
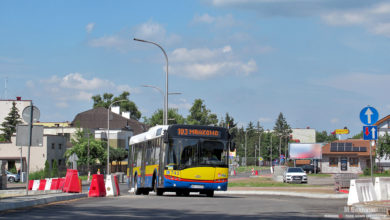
370 132
369 115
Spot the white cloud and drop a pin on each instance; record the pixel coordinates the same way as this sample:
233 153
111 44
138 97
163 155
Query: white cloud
182 105
117 42
203 63
265 120
30 84
219 21
334 120
77 81
376 19
74 87
121 41
89 27
205 18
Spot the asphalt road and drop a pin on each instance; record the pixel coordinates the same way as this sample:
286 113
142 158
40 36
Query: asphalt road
193 207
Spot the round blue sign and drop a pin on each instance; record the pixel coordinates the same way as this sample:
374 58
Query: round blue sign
369 115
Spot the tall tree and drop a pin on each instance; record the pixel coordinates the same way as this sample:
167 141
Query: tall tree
200 115
108 98
157 118
282 130
10 122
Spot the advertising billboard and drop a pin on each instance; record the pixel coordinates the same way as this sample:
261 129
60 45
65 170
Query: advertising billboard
305 151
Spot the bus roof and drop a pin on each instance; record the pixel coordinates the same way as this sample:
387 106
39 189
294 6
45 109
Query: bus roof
153 132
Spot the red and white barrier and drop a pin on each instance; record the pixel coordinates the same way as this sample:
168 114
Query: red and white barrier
48 184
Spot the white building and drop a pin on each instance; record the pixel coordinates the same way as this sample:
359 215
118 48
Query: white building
53 149
304 135
6 105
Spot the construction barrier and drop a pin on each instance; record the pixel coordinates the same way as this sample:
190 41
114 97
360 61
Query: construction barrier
382 188
61 183
72 183
361 191
48 183
112 187
42 185
55 183
30 184
97 187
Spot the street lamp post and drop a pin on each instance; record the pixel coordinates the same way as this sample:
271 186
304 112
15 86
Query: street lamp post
166 79
158 89
108 134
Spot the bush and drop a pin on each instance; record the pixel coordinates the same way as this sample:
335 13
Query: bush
36 175
13 170
54 171
367 172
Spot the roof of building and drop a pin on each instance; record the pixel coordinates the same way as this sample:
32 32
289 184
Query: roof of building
382 120
97 118
326 149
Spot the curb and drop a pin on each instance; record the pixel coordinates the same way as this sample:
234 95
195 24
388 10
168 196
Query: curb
294 194
23 202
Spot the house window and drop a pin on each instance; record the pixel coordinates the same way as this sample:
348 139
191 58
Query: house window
353 162
333 161
59 146
52 146
59 162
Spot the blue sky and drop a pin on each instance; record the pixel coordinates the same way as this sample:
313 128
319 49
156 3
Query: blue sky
318 62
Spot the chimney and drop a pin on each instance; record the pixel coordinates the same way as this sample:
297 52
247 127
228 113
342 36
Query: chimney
116 109
18 98
126 115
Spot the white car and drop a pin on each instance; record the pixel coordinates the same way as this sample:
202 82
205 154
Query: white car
294 175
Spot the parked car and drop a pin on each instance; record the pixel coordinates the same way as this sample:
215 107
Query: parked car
310 168
294 175
11 177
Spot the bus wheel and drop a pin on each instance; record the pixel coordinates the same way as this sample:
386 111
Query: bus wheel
159 192
179 193
145 192
186 193
137 191
210 193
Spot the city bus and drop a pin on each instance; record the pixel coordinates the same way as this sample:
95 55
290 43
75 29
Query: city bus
180 159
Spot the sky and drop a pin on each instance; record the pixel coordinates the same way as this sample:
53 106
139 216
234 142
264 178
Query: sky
319 62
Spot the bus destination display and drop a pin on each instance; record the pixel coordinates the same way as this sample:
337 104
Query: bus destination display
197 132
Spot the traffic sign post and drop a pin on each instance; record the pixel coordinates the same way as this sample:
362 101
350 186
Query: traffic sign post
370 132
369 115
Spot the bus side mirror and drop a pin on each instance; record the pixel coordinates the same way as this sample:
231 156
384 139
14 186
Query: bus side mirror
165 137
232 146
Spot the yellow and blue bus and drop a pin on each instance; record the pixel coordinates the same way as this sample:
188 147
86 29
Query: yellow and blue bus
181 159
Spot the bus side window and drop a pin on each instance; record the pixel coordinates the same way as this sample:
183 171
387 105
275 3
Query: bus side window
157 151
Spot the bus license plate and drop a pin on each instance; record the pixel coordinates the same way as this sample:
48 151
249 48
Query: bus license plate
197 186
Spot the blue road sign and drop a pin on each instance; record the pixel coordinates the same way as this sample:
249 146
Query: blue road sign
370 132
369 115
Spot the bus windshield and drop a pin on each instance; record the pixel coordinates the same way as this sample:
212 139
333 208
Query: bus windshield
186 153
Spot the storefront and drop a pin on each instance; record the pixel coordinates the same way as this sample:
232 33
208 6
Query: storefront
346 156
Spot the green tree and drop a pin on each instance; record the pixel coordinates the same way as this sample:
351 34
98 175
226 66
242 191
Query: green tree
358 136
383 147
80 147
157 118
54 169
108 98
10 122
282 129
324 137
200 115
46 170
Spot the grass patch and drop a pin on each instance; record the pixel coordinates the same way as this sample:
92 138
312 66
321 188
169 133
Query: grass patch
376 175
241 169
262 182
319 175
